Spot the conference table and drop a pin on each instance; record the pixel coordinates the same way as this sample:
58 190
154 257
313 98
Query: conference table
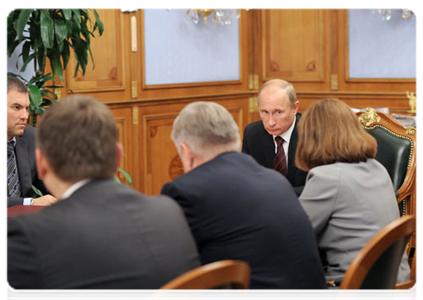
22 209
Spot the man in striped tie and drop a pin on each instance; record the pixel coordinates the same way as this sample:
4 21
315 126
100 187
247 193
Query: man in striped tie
21 167
272 141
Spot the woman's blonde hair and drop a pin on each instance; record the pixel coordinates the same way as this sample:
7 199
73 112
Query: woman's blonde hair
329 132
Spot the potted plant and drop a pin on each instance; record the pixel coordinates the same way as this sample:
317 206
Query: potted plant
51 35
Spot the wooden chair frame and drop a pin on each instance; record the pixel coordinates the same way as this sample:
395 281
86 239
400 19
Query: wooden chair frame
411 287
372 118
373 250
213 275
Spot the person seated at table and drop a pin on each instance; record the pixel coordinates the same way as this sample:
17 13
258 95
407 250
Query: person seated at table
22 174
100 234
238 209
348 195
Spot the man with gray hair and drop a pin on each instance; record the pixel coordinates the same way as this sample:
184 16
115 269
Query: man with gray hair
238 209
273 140
101 234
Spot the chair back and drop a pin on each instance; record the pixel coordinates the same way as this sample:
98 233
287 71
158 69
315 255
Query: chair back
411 287
220 274
396 152
377 263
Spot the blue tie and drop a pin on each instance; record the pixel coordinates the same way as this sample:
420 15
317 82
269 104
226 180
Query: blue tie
13 184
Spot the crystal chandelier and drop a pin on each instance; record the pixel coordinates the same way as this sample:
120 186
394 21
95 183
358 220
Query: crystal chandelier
387 14
220 16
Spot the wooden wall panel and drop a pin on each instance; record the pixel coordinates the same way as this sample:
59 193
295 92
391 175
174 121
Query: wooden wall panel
108 71
123 117
293 46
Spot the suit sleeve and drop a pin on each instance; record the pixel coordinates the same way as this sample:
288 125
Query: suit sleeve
12 201
21 262
318 198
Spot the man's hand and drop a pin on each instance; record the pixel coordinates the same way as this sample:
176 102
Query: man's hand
44 200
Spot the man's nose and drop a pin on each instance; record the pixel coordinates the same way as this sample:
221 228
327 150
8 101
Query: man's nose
24 114
272 121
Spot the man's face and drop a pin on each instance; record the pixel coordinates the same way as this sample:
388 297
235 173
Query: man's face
276 112
17 113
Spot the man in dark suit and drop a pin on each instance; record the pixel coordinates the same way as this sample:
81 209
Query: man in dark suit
21 168
278 107
236 208
101 234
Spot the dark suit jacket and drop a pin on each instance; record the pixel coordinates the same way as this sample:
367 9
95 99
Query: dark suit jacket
105 235
259 144
27 169
240 210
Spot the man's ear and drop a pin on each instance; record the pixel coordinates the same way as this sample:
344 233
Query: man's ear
42 164
119 154
296 106
187 157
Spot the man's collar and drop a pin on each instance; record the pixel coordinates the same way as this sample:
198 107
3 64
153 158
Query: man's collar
74 187
287 134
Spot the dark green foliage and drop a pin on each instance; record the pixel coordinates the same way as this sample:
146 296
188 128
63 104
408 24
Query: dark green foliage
52 34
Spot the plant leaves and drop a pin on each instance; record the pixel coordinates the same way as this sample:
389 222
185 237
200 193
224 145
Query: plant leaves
76 18
65 54
127 176
27 61
47 30
35 96
8 16
60 30
37 192
67 13
56 65
21 22
98 23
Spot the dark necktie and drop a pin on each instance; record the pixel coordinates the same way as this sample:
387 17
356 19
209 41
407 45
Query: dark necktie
13 184
279 162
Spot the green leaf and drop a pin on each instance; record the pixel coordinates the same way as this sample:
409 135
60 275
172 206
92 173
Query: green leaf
60 30
8 16
36 192
56 66
26 48
127 176
27 61
35 95
47 29
98 23
65 54
76 18
21 22
67 13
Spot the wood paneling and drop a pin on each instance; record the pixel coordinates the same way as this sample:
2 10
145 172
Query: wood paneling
293 46
124 123
107 73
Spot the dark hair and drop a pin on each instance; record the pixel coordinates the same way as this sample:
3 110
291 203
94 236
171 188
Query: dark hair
14 83
330 132
78 137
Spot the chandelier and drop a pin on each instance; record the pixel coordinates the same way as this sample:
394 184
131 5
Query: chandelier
386 14
220 16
